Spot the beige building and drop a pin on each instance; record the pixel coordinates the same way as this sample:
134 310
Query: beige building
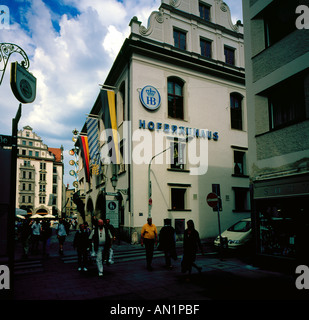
180 76
39 179
70 206
277 82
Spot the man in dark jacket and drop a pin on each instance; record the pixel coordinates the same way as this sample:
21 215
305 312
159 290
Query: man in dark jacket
167 242
81 243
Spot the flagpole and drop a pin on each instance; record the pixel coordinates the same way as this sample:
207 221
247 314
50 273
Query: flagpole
89 115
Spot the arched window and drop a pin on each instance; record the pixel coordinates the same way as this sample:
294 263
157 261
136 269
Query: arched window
236 110
175 98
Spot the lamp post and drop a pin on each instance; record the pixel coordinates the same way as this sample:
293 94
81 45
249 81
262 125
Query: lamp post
6 49
149 180
23 85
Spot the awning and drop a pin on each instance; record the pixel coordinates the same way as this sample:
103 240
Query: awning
20 212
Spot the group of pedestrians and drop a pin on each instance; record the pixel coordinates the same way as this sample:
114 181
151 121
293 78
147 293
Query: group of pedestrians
167 244
33 231
98 242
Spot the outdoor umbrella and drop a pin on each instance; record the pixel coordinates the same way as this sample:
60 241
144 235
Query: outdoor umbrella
20 212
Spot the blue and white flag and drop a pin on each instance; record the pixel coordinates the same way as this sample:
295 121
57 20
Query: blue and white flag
93 140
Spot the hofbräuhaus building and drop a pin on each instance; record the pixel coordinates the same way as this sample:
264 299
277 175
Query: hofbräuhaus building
180 124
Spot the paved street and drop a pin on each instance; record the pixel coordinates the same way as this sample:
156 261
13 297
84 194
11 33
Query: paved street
57 278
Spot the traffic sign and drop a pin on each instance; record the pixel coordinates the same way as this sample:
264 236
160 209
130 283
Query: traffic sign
212 199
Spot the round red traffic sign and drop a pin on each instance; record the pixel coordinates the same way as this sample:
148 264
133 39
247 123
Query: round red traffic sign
212 199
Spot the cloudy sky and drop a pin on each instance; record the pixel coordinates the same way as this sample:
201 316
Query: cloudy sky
71 45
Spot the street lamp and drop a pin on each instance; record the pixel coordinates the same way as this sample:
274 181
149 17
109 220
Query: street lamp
149 181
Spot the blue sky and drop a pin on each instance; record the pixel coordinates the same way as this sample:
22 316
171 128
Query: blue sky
71 45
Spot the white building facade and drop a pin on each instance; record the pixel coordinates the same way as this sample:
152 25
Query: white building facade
39 179
181 117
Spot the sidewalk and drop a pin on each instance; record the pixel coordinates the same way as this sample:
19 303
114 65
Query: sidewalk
227 279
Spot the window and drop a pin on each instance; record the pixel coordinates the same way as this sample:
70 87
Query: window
241 199
236 111
178 198
30 143
287 103
175 98
204 11
229 54
122 92
43 166
205 48
23 152
178 156
239 163
42 177
24 186
29 187
30 175
30 153
42 200
24 143
37 154
179 39
279 20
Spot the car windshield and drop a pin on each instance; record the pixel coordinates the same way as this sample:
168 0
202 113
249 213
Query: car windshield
241 226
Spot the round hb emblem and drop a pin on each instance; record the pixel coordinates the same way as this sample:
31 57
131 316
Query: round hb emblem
150 98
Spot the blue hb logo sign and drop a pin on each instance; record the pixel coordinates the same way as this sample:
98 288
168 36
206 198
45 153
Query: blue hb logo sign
150 98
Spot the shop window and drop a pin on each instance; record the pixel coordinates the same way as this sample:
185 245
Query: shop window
236 110
283 226
287 103
205 48
229 54
204 11
179 39
175 98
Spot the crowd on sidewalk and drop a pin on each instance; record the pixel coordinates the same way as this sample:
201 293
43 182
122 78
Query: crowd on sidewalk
96 243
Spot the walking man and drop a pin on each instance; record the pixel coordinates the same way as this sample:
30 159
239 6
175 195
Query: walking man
101 238
149 238
167 243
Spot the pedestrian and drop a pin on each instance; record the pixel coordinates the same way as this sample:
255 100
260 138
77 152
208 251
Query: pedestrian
25 236
149 236
101 238
36 234
191 244
81 242
111 228
61 234
45 236
167 243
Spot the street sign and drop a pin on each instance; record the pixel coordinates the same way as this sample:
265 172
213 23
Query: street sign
5 141
212 199
112 212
